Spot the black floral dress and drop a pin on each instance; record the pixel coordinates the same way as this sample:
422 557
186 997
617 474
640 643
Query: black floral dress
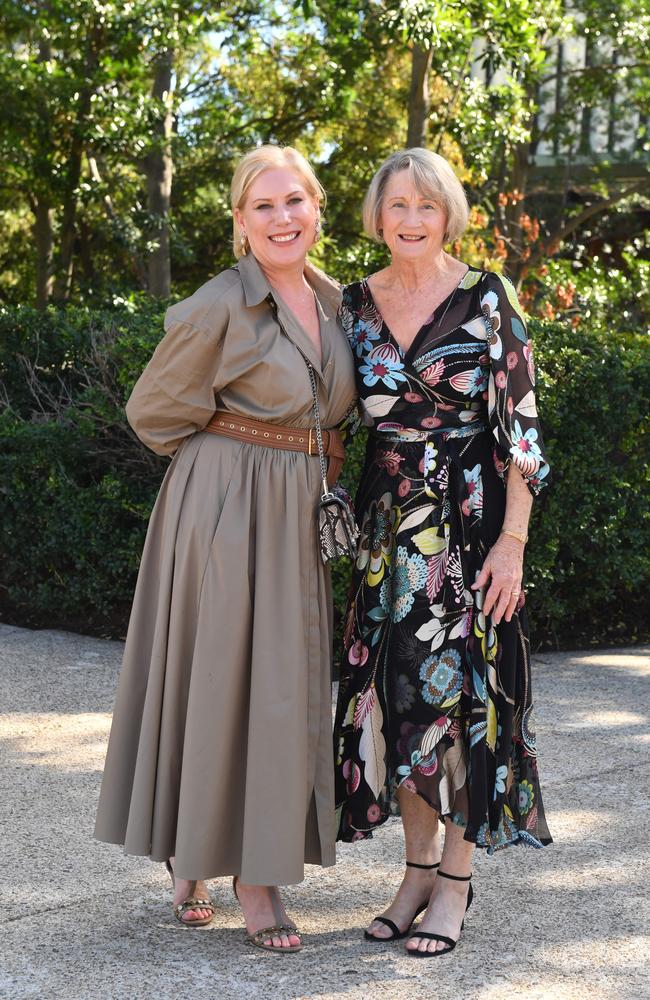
433 697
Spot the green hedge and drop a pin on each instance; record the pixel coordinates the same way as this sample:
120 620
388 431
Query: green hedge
76 487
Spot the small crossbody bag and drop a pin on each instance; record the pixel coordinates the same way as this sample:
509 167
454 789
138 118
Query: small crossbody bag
338 533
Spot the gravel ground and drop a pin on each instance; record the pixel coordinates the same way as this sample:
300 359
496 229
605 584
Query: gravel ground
80 921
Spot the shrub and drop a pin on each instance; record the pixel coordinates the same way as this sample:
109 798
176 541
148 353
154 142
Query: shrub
76 487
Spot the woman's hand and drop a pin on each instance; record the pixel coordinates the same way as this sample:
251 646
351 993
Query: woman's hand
504 564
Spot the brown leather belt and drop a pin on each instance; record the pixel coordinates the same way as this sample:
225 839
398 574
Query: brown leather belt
302 439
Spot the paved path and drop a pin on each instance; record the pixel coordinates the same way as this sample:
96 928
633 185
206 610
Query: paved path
82 922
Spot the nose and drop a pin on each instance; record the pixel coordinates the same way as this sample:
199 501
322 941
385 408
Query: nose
413 216
283 213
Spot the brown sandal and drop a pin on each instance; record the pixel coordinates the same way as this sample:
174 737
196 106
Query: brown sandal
257 938
191 903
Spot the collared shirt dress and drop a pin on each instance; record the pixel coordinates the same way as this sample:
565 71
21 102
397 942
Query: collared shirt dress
220 748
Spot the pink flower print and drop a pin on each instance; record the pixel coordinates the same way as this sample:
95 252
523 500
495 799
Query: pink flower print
511 406
404 487
433 373
358 654
465 507
374 812
409 784
501 380
512 360
390 461
428 769
498 464
413 397
430 422
352 775
357 835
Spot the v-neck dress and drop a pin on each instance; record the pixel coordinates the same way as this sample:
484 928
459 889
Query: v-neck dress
433 697
220 750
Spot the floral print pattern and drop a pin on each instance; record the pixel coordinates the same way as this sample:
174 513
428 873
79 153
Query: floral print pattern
435 698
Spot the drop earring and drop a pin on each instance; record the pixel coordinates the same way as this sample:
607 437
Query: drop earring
318 230
243 244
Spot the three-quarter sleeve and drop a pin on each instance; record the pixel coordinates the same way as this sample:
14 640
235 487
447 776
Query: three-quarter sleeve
512 407
175 395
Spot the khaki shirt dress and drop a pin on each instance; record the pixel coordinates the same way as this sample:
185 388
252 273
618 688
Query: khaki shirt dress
220 749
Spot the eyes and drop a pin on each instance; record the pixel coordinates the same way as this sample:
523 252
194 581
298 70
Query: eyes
294 200
430 205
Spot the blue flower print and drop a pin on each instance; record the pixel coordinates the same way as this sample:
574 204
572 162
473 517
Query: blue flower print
525 796
361 337
407 574
382 366
525 451
500 780
442 677
470 383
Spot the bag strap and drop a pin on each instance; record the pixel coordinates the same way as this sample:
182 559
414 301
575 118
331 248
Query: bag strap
314 392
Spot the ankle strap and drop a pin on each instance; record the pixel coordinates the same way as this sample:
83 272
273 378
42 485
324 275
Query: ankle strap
456 878
412 864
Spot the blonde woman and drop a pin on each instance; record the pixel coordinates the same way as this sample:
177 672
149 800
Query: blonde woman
219 761
435 711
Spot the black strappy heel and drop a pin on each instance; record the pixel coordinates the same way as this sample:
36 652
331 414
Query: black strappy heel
397 934
451 944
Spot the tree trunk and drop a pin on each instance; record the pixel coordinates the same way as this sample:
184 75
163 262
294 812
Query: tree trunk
43 212
44 241
516 264
419 97
63 285
158 169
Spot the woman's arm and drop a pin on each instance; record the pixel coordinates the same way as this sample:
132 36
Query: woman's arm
519 449
504 563
174 396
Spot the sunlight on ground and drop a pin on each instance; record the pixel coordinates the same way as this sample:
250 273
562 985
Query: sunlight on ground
584 876
628 660
605 720
66 742
576 824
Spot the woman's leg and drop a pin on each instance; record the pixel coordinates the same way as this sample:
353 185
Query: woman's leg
184 889
422 841
446 910
262 907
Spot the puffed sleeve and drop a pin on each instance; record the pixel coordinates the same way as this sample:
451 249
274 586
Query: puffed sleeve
175 395
511 394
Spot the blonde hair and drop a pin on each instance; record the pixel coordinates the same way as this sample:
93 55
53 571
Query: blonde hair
254 163
432 177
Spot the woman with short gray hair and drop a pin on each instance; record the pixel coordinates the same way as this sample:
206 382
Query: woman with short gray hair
435 716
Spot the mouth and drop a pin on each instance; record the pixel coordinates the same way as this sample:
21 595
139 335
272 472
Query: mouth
285 237
411 239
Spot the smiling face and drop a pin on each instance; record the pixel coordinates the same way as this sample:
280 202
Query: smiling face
412 223
279 218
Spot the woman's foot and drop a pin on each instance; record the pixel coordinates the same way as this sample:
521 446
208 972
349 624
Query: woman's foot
444 915
186 889
415 890
262 907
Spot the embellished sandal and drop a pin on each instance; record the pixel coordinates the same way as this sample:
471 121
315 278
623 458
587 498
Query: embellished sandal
397 934
257 938
451 944
191 903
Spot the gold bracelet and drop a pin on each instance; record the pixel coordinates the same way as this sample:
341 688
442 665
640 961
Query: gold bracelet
515 534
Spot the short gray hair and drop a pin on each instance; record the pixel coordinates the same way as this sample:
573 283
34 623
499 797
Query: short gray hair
432 176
